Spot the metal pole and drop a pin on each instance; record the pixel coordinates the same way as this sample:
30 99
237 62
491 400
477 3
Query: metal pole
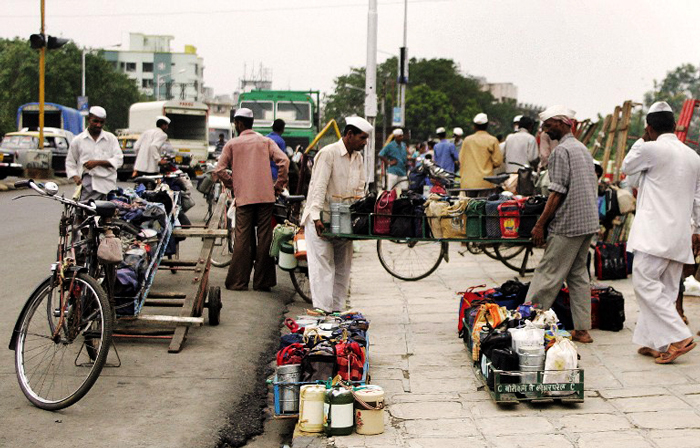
83 89
42 59
371 91
402 88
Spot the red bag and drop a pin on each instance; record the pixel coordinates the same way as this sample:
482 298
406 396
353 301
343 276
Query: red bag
465 302
510 218
291 354
350 360
384 206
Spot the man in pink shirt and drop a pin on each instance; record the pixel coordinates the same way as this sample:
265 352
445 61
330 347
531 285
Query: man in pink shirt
248 157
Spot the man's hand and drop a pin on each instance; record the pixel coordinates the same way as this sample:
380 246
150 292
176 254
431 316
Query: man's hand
393 162
646 136
278 190
90 164
538 235
77 180
696 244
320 228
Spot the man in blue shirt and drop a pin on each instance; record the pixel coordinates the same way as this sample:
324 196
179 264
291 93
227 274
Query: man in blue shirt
395 156
446 155
276 136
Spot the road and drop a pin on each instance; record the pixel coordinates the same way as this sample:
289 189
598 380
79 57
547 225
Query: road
211 394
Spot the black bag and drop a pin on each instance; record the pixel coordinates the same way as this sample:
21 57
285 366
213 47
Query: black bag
532 209
610 261
526 183
562 308
504 359
320 363
495 340
402 225
360 211
611 310
493 218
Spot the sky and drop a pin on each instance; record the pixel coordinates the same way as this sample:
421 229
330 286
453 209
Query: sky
588 55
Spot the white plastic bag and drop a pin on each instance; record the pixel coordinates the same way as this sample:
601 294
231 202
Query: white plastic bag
562 357
545 319
231 213
528 336
692 286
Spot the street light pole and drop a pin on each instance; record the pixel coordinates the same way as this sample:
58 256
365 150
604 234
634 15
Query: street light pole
42 59
371 91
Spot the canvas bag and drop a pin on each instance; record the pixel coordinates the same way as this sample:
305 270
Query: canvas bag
493 219
532 209
454 223
475 216
611 310
610 261
360 211
382 213
110 249
435 209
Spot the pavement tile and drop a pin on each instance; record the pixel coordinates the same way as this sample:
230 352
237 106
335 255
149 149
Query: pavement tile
439 318
689 438
437 428
423 385
440 373
616 439
650 404
588 423
634 392
663 376
666 419
418 398
429 410
524 425
390 386
530 441
458 442
591 405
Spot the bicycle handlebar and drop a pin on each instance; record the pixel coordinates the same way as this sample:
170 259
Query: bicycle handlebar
23 183
31 184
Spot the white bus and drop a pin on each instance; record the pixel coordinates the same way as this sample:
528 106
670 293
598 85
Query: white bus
219 125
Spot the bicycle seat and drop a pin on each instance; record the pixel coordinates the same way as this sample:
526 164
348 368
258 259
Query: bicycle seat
294 198
497 179
104 209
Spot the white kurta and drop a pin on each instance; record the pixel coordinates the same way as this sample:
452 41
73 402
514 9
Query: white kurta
84 148
335 173
669 195
521 148
148 150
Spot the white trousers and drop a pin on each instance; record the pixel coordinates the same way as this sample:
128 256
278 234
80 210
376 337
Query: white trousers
329 269
656 281
392 181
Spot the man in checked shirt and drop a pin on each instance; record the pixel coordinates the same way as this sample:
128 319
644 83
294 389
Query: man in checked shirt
571 217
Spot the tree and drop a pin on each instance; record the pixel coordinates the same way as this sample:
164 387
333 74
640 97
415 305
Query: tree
437 95
678 85
19 82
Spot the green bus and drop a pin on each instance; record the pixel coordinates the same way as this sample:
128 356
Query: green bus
298 109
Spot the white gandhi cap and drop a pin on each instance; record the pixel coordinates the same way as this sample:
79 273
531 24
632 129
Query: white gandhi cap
98 111
481 118
360 123
458 131
556 111
398 132
517 118
243 112
163 117
659 106
440 130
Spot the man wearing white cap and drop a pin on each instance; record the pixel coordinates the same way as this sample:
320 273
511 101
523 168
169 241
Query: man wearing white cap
479 155
571 217
149 148
516 122
663 236
94 157
458 135
446 155
394 155
520 148
338 175
248 157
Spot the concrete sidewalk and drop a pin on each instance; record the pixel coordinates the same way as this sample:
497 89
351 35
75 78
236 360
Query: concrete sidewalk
434 399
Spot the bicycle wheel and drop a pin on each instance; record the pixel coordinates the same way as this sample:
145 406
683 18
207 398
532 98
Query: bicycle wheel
518 262
48 367
300 280
412 260
506 251
223 247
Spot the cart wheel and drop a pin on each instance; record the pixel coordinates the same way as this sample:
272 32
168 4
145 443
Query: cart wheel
300 281
411 260
518 262
214 305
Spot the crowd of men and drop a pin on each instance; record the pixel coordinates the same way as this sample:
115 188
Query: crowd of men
665 234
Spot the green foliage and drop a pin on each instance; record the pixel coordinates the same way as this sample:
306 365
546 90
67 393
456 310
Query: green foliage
679 84
19 82
437 95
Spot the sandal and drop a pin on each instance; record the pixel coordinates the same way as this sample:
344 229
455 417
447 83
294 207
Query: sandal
673 352
648 351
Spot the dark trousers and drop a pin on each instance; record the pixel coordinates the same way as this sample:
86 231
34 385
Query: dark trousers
249 251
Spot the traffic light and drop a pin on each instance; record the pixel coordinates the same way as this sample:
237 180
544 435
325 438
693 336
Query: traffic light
37 41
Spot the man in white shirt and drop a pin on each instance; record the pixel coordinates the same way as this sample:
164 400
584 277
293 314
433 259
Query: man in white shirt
149 148
662 236
520 148
338 174
94 157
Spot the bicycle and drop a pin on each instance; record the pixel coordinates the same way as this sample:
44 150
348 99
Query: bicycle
288 208
69 311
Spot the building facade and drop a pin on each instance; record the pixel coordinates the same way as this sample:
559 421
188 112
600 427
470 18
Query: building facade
158 71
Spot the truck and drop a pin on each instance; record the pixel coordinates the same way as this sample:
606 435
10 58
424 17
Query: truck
55 116
218 125
187 133
299 110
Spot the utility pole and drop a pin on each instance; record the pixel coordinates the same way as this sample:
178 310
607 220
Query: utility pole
371 91
403 69
42 62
